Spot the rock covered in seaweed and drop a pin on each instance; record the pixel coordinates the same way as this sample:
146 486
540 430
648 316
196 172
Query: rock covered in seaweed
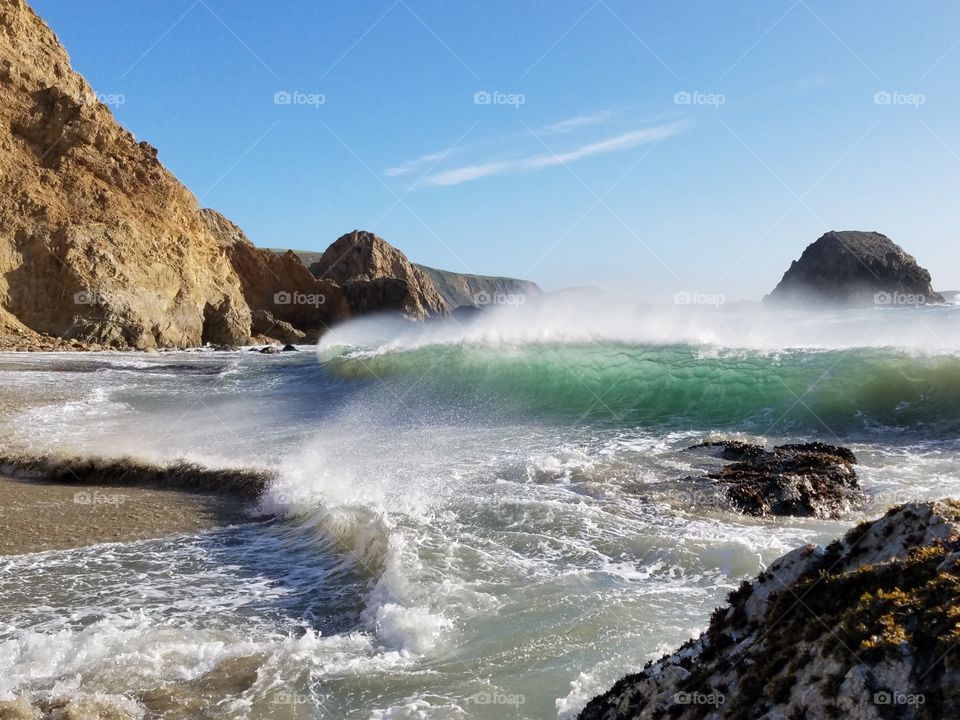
804 480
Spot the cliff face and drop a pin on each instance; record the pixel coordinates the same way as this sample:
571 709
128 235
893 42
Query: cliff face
376 276
461 289
98 241
865 628
852 268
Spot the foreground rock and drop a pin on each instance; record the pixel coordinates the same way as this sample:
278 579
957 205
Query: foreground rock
376 277
865 628
853 268
805 480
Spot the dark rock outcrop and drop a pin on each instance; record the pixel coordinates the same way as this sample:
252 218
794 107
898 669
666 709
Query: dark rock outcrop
854 268
733 449
866 628
465 313
377 276
804 480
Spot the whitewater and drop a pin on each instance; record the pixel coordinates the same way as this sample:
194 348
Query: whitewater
466 519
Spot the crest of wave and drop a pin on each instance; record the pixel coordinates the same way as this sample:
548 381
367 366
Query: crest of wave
593 316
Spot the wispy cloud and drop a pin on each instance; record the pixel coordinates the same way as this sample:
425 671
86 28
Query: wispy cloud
563 126
530 163
410 166
575 123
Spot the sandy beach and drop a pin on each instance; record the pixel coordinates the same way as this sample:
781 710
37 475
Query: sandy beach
38 515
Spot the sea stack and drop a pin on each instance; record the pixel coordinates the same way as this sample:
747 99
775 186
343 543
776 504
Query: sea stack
377 277
851 268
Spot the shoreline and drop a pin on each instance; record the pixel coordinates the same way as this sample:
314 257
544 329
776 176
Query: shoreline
39 515
58 503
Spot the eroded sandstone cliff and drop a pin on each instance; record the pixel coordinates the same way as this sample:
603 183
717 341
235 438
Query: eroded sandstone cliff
286 301
98 241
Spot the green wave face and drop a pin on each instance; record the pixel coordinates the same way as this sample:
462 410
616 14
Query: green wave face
837 391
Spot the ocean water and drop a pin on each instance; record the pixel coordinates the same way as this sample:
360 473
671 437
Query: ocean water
480 520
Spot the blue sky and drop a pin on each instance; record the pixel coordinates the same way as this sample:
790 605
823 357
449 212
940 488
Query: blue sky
653 147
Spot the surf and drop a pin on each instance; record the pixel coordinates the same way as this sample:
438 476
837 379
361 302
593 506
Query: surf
850 372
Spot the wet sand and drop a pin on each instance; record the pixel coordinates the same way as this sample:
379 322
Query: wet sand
37 515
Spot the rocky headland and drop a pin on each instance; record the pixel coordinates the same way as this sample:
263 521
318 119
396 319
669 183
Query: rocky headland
459 291
375 276
462 290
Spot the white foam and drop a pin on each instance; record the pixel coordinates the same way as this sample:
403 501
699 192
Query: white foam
592 317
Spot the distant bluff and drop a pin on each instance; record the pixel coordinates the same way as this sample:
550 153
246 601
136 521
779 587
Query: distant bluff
463 289
855 268
457 290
